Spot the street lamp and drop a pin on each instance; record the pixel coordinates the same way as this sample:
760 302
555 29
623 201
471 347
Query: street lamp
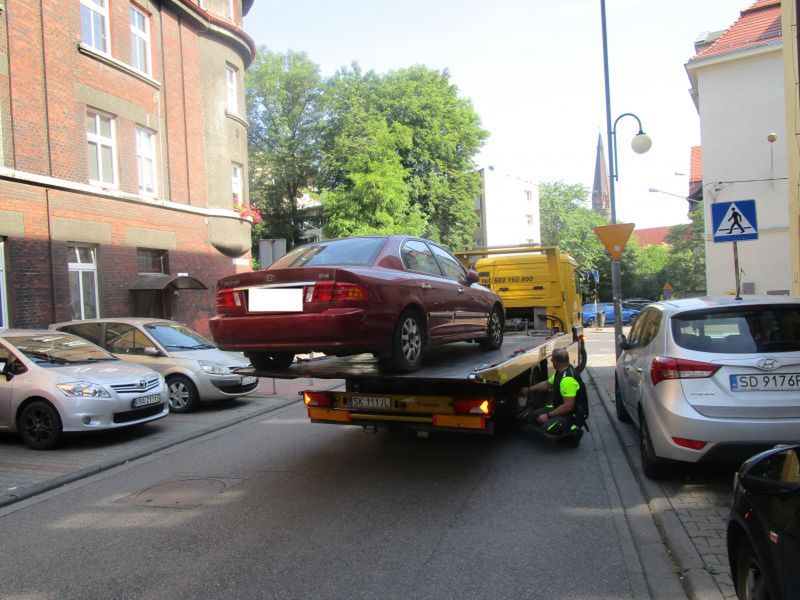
640 144
692 202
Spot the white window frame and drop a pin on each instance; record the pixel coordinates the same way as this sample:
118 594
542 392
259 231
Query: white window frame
146 164
140 36
100 141
232 89
237 188
80 268
99 7
232 9
3 286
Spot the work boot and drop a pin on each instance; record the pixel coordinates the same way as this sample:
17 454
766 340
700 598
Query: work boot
572 440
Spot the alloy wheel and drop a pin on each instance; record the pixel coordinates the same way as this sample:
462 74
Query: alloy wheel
410 339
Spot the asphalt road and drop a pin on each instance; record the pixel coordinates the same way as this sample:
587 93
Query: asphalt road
276 507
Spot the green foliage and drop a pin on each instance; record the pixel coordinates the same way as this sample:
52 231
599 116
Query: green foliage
686 268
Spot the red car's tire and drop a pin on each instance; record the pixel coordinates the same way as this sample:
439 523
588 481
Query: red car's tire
494 330
408 343
270 361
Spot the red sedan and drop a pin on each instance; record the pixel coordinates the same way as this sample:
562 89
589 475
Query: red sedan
388 295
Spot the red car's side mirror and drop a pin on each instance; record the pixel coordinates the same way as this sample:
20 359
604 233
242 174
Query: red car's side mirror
472 277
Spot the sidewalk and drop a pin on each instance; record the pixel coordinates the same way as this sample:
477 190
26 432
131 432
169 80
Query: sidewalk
690 509
25 472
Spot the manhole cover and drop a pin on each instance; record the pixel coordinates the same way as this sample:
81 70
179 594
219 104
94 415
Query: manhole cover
181 493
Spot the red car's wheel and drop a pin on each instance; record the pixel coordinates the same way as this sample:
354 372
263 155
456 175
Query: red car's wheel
408 343
494 330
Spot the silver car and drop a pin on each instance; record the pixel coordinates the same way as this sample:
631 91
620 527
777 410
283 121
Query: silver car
711 379
53 382
195 369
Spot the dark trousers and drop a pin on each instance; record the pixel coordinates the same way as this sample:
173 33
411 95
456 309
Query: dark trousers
555 425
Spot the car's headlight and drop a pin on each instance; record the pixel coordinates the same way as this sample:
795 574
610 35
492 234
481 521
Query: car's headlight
83 389
214 368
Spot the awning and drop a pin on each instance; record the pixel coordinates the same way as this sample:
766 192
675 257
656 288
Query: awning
160 281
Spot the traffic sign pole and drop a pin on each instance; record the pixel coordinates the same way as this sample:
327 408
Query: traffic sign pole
736 266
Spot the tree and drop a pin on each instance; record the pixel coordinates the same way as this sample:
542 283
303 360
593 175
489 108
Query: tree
285 110
686 268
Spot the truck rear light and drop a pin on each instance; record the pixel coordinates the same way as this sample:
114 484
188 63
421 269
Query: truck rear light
473 406
331 291
691 444
320 399
667 367
228 301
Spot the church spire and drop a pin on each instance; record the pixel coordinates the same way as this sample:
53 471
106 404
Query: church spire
601 197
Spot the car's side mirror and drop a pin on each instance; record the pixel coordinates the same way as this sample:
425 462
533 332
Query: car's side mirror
12 368
472 277
151 351
772 473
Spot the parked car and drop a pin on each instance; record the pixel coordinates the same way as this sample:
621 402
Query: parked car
194 368
54 382
636 303
711 379
388 295
764 526
607 308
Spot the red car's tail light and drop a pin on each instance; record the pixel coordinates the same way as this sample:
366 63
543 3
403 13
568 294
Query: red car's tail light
321 399
666 367
229 302
691 444
331 291
472 406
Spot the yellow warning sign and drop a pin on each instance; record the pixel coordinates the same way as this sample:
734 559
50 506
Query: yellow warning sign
614 237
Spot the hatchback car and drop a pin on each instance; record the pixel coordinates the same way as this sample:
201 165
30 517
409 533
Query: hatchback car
711 379
54 382
388 295
195 369
607 308
764 526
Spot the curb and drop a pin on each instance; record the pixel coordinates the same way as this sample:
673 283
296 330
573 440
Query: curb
38 488
700 583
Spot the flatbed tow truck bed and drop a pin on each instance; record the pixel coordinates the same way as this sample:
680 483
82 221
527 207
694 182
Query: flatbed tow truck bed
460 387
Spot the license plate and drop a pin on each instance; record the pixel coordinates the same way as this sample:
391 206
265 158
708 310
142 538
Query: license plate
371 402
146 401
774 382
275 300
248 380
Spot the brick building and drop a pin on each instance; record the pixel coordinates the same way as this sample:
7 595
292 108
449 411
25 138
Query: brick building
123 157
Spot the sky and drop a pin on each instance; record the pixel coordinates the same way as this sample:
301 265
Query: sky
533 70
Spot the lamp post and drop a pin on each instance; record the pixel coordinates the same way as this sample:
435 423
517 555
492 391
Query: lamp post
640 144
692 202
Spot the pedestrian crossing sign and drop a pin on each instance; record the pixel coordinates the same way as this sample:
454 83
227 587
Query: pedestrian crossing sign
734 221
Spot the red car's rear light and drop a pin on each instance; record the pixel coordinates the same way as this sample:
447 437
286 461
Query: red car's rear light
229 301
667 367
691 444
331 291
321 399
473 406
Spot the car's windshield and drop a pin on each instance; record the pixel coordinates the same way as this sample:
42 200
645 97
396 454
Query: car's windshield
177 337
58 349
360 251
740 330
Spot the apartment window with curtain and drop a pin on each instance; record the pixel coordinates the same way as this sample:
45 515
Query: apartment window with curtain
236 184
140 40
82 264
146 160
150 260
3 299
94 24
102 148
232 89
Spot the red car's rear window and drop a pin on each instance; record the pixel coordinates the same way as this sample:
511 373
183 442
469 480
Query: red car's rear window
358 251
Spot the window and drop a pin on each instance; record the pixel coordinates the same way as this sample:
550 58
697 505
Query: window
528 195
236 184
126 339
232 89
94 24
83 282
100 134
529 218
3 301
418 257
146 160
88 331
152 261
140 40
451 267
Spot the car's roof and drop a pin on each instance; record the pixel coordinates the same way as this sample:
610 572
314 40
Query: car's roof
137 321
16 332
722 302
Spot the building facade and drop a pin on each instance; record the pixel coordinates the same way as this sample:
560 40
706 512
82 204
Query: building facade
123 157
507 209
791 62
738 88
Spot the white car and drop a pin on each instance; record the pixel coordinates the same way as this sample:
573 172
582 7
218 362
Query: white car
53 382
194 368
711 379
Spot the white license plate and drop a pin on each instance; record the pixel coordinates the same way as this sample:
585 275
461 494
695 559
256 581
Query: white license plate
275 300
774 382
371 402
248 380
146 401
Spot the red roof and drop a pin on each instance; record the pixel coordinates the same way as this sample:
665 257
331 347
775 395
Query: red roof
757 25
695 170
652 236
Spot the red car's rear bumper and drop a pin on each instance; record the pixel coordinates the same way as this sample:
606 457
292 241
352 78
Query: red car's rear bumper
335 331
